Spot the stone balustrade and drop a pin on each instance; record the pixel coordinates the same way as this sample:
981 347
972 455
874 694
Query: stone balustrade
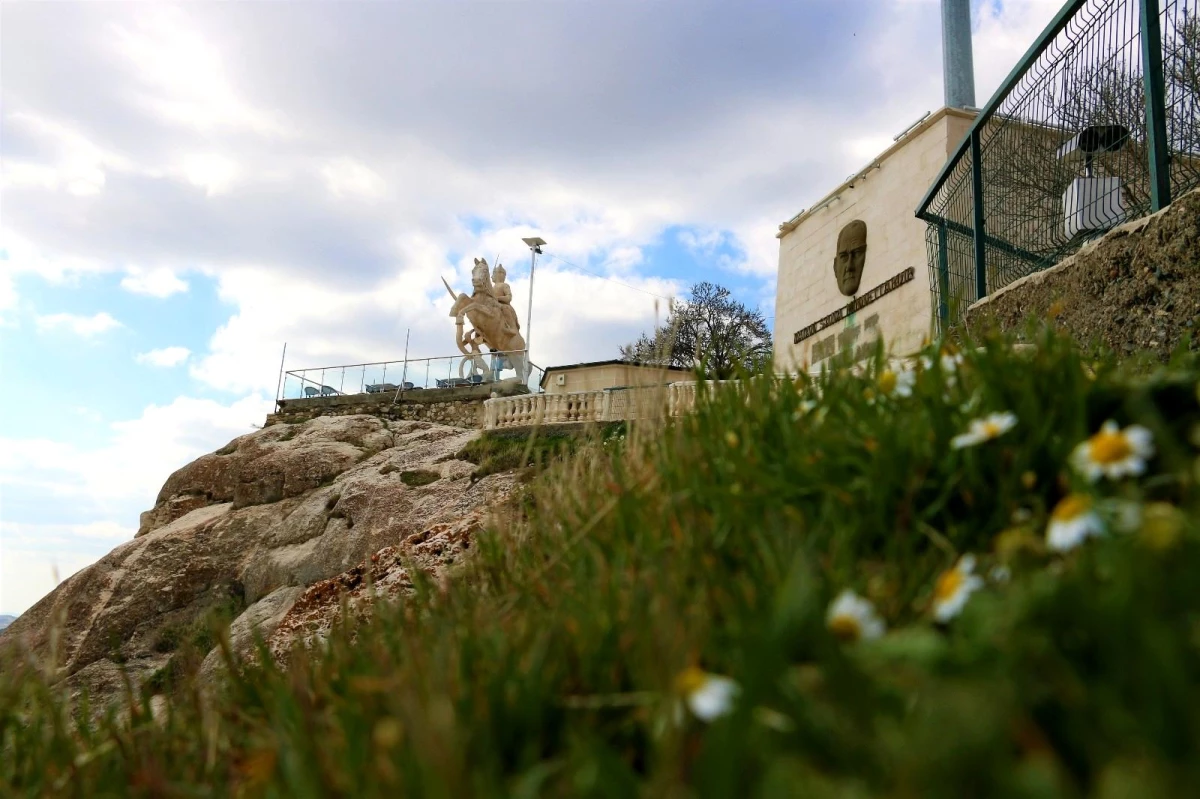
607 405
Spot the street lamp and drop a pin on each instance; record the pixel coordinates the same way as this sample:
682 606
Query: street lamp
535 245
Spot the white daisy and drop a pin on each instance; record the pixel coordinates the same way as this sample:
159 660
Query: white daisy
1072 520
852 618
897 383
948 359
804 408
1113 452
991 426
708 696
954 587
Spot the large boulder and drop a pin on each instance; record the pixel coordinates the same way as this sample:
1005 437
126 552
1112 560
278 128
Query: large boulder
248 530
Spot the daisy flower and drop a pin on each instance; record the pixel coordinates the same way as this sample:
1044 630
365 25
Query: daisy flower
898 383
804 408
708 696
1071 521
852 618
1113 452
948 359
954 587
991 426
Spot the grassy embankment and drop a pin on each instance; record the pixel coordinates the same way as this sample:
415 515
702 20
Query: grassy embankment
575 655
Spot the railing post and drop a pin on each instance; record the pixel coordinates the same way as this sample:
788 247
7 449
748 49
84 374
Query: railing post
1157 147
977 203
943 275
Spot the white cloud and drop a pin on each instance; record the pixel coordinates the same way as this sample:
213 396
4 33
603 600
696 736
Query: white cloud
346 177
213 173
86 326
160 282
168 356
1002 33
79 165
103 490
183 74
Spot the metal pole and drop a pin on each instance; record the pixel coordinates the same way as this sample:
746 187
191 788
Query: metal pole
958 68
1157 149
533 251
943 279
404 373
977 202
279 385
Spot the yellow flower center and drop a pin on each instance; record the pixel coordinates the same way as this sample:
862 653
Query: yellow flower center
991 429
887 382
1071 507
947 584
845 628
690 680
1109 447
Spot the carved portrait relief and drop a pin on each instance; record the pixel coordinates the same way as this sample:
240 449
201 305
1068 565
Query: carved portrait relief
851 257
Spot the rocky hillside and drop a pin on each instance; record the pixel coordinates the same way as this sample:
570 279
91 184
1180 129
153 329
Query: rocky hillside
268 530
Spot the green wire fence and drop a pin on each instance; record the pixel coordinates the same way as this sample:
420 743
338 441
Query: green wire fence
1098 124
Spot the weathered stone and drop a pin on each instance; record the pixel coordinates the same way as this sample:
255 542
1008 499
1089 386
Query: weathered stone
261 618
1137 287
287 506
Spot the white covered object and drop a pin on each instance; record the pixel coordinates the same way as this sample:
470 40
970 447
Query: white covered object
1092 204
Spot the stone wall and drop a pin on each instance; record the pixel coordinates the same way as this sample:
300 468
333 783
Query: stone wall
884 199
456 407
1135 289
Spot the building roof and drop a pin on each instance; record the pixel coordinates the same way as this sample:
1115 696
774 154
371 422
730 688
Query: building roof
612 362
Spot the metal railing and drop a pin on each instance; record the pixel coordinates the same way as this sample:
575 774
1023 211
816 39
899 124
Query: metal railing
1099 123
396 377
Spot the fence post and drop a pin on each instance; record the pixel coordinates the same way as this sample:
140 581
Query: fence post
1157 148
943 277
978 222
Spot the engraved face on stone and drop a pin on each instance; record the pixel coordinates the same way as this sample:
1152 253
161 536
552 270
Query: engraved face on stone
851 257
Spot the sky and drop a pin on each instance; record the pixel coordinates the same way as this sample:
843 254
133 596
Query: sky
185 188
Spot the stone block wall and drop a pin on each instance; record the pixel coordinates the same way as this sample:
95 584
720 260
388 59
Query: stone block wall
1137 288
884 199
456 407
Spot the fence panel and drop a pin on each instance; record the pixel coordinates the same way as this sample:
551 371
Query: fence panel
1067 148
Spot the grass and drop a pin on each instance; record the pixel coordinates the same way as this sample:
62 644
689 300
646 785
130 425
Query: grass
552 665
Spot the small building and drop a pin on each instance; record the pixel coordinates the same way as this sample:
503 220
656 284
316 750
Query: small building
599 375
854 266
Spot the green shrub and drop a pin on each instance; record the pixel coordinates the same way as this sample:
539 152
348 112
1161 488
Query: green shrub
419 477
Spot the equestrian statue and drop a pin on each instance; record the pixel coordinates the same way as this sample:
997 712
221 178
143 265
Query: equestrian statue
493 322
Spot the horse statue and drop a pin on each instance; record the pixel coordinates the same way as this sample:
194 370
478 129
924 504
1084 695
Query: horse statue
492 322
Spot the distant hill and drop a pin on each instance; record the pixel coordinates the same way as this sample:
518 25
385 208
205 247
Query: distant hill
6 620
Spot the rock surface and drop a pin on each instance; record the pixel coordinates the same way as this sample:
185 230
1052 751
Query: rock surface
1136 288
274 525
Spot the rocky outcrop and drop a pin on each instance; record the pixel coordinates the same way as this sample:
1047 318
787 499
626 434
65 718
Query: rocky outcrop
270 529
1135 289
